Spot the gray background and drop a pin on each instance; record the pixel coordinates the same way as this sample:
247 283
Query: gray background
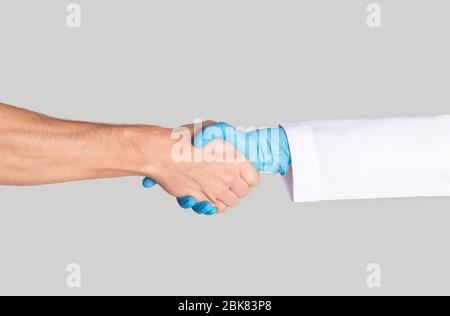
251 63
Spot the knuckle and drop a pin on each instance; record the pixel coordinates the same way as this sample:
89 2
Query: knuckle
229 178
208 122
245 192
221 209
250 174
222 192
234 202
254 179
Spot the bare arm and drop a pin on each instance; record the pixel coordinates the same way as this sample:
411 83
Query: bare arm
37 149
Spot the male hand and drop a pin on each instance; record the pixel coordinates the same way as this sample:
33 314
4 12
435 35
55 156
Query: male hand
209 187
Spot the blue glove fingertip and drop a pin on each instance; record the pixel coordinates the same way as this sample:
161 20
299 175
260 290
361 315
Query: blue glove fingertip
200 207
186 201
204 208
148 183
210 210
213 211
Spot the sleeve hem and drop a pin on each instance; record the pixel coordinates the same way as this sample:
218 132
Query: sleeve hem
303 180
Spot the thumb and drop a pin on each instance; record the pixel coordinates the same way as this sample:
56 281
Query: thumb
148 183
216 131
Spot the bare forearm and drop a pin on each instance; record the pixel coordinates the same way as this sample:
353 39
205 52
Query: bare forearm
36 149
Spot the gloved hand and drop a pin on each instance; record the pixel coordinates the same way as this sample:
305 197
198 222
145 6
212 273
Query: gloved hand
267 149
203 208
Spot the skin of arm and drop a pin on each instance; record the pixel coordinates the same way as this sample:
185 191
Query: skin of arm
37 149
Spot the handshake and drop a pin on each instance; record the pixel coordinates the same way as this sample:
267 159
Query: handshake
212 167
207 167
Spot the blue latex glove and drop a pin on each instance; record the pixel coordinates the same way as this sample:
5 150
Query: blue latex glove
267 149
204 208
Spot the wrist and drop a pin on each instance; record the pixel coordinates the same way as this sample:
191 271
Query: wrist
146 149
270 148
285 152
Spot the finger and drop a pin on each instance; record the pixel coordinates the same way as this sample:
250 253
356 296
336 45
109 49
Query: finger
211 132
204 208
240 188
202 205
221 208
229 198
186 201
208 123
192 127
148 183
250 175
204 124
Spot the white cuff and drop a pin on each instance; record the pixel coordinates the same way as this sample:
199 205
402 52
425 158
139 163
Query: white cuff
371 158
304 188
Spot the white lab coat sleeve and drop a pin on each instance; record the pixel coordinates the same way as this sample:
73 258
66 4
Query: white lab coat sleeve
369 158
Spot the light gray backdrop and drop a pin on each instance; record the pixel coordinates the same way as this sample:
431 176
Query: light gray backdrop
248 62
